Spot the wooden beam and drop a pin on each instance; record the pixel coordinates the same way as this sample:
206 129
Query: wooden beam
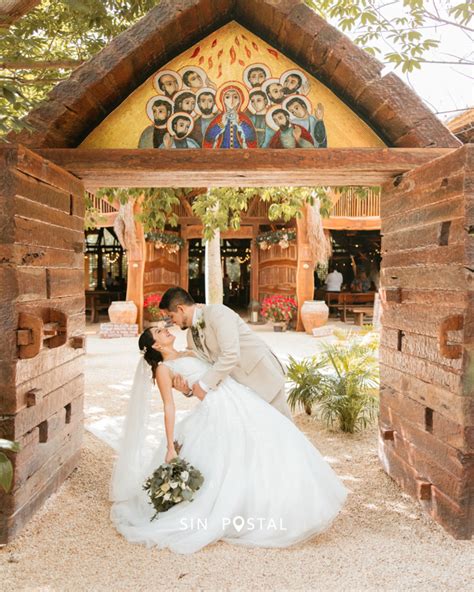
351 223
239 168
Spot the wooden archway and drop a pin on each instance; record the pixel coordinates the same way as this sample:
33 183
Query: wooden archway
427 219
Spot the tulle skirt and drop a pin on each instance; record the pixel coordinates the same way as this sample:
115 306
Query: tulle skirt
265 484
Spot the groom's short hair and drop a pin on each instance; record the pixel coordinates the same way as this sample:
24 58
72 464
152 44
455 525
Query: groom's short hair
175 296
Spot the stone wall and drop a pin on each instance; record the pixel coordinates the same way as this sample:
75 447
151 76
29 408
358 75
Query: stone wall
42 328
427 349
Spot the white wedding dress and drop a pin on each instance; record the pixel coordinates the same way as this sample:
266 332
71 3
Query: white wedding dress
265 484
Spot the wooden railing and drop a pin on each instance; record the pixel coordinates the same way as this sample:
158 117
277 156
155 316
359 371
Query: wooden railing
350 206
103 205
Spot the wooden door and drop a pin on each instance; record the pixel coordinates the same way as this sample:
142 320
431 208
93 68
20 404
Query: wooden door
42 326
277 271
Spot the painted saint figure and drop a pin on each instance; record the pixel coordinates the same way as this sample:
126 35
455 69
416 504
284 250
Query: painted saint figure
179 127
159 110
231 128
255 75
206 108
300 109
288 135
168 83
274 90
194 78
185 101
257 113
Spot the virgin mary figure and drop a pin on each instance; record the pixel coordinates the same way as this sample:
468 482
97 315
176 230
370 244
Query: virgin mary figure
231 128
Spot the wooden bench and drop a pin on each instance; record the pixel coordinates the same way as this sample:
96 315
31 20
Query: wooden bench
359 312
349 300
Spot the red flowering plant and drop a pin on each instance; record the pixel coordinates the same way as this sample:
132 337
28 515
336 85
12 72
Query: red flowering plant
151 305
279 309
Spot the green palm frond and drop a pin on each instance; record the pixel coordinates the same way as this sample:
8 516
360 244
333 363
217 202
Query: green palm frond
341 383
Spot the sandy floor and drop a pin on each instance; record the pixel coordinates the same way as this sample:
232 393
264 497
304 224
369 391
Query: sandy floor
382 541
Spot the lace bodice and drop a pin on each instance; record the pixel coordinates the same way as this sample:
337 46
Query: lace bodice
190 367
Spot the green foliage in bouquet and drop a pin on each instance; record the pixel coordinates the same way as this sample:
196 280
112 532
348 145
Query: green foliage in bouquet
341 383
172 483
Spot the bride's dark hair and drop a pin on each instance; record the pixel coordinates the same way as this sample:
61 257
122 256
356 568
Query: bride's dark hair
151 355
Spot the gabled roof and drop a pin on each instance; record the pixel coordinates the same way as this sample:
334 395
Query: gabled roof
77 105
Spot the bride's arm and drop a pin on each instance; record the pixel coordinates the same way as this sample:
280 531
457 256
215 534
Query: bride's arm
164 382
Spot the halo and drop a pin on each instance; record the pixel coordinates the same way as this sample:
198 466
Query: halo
173 117
202 73
256 88
267 83
269 119
161 73
205 89
305 100
239 87
181 92
304 88
245 75
149 105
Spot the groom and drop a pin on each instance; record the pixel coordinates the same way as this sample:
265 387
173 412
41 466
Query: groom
218 335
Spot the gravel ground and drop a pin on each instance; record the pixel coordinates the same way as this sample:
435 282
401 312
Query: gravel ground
382 541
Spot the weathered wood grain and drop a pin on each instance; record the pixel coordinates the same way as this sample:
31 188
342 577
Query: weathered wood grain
186 168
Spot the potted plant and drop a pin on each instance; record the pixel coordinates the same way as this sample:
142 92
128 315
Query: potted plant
340 384
279 310
151 309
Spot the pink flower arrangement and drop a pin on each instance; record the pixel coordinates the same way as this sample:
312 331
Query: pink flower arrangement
279 308
151 304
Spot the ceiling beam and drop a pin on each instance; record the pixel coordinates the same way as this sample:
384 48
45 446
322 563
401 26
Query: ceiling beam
238 168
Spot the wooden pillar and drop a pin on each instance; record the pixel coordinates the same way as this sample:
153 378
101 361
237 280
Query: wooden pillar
427 338
136 265
184 262
304 269
41 283
254 260
213 270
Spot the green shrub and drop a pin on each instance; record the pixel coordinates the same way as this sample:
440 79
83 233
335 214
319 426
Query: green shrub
340 383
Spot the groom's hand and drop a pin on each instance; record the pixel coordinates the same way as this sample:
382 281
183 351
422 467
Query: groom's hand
198 391
180 384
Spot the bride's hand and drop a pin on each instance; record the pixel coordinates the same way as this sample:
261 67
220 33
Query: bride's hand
171 453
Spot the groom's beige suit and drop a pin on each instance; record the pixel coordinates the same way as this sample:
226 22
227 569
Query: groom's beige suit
235 350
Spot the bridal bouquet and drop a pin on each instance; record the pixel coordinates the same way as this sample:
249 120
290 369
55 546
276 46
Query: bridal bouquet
172 483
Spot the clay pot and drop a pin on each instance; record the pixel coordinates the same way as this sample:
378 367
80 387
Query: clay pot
314 313
123 311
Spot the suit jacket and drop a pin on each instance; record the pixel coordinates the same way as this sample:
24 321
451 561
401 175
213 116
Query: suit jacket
235 350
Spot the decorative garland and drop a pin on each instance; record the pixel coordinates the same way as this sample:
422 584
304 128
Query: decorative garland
276 237
166 240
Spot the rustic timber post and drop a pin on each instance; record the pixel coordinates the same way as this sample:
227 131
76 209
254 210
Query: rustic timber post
427 340
135 240
42 323
305 267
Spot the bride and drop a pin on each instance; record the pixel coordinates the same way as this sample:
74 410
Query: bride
264 484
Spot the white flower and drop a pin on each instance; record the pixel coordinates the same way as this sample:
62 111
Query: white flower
173 484
184 475
167 496
165 487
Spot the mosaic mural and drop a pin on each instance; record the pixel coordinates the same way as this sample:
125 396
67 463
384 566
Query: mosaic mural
261 111
232 90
